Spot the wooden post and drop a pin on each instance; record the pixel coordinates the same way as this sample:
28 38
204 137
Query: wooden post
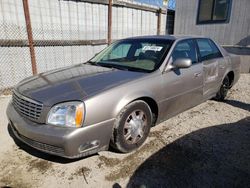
110 22
159 22
30 36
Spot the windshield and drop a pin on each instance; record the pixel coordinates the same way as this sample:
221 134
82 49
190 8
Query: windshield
145 55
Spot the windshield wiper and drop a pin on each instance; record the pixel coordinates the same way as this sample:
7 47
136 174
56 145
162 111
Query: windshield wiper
111 65
91 63
121 67
116 66
135 69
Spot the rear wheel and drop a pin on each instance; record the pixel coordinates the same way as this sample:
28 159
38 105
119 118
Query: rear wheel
222 93
132 127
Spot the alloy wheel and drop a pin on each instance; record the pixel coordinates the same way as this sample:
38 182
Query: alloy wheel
134 126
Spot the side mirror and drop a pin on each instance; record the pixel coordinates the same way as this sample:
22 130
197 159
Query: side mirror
182 63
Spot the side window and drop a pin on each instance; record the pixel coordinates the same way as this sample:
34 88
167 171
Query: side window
118 52
208 50
185 49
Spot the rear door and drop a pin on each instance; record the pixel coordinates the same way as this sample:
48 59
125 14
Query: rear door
212 61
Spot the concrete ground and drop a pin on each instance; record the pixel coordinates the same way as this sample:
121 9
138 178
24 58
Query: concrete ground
207 146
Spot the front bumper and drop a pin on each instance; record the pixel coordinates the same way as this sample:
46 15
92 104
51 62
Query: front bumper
61 141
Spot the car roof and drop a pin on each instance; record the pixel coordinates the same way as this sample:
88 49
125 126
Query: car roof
166 37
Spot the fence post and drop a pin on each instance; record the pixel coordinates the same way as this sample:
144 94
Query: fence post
159 21
109 22
30 35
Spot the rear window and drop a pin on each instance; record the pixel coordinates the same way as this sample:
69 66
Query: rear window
207 49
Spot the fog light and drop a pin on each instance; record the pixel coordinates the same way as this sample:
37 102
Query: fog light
89 145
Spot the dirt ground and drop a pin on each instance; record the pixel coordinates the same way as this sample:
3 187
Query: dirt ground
207 146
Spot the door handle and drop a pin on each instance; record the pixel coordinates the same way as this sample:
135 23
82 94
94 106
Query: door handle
222 67
197 74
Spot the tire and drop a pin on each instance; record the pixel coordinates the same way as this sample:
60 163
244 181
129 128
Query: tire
222 93
131 127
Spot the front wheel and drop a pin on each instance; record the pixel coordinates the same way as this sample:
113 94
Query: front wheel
132 126
222 93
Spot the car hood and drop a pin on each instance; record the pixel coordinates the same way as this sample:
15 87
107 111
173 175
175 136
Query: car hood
73 83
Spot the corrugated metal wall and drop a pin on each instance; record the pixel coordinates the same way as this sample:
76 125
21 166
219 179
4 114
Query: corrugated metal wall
58 20
233 33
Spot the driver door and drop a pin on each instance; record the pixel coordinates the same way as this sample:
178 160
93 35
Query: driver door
182 88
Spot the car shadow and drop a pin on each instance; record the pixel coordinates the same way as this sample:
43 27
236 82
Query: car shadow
40 154
217 156
239 104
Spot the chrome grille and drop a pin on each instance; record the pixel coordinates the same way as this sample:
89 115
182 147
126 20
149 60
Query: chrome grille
27 107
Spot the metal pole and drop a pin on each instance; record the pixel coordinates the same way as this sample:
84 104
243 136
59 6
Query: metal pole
30 36
159 22
110 22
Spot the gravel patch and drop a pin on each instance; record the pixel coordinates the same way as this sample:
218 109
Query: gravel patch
206 146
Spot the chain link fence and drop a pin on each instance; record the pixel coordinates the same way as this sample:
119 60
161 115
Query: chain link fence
15 62
64 33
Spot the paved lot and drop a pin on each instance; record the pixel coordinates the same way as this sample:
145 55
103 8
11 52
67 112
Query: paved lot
207 146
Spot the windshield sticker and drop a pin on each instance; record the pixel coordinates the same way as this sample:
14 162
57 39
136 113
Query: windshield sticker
153 48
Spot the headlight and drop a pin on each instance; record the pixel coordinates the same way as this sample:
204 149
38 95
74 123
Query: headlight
68 114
